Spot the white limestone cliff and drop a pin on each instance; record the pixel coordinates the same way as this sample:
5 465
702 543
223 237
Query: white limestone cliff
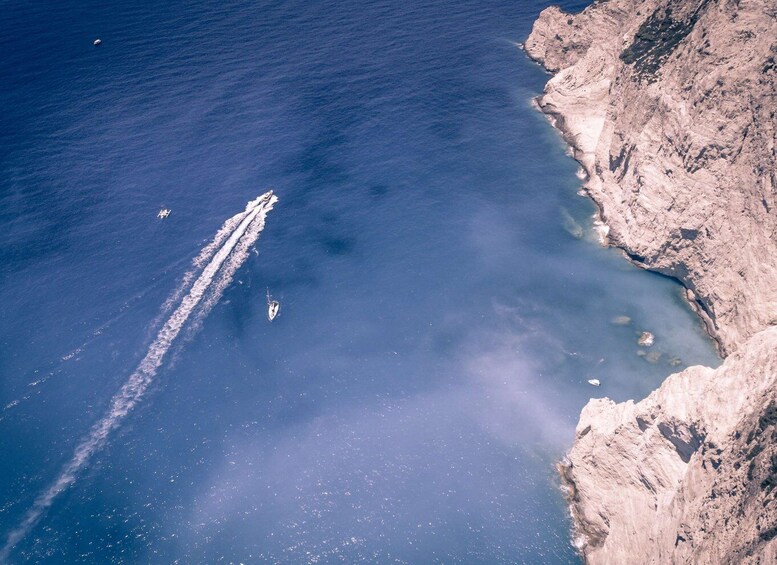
679 143
669 105
687 475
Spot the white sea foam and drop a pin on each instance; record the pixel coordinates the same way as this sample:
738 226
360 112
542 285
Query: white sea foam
232 264
202 258
225 254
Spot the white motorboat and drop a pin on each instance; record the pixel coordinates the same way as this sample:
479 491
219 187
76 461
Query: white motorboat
98 41
273 307
594 382
163 213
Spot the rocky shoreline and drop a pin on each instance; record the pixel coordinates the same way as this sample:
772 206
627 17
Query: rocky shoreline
669 106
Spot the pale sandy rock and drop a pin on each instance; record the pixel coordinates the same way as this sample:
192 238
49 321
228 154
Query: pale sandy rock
688 475
679 144
669 105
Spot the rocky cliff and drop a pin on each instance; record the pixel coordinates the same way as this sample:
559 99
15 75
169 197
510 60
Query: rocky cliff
669 105
687 475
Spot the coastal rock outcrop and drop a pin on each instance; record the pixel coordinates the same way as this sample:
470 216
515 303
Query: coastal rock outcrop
669 106
687 475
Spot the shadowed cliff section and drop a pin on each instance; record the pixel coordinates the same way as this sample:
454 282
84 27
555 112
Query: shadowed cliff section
657 38
669 105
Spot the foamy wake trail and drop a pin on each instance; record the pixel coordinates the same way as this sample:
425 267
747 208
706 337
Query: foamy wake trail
221 259
205 254
227 273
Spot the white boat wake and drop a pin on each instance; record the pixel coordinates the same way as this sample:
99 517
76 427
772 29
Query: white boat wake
216 264
205 255
55 369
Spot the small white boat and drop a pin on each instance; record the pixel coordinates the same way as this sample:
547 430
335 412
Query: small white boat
98 41
163 213
594 382
273 307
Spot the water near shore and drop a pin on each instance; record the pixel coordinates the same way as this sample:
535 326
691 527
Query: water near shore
443 301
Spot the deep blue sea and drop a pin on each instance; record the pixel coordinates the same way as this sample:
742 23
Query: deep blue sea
443 297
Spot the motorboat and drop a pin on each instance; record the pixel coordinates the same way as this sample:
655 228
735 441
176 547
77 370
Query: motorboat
98 41
273 307
594 382
163 213
265 198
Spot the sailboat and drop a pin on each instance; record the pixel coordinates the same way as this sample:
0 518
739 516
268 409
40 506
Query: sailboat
273 307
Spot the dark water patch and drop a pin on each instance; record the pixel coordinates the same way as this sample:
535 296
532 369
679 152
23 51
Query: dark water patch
378 191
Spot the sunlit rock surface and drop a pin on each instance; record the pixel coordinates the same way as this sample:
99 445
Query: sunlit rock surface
687 475
670 108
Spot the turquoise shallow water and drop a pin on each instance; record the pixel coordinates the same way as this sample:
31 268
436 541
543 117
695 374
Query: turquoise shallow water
439 315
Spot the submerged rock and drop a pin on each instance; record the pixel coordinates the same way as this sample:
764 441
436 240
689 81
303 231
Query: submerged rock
653 356
675 361
621 320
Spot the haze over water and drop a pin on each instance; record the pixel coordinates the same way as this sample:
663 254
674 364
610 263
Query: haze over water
443 300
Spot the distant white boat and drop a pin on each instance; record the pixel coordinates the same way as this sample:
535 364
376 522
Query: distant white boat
273 307
98 41
163 213
594 382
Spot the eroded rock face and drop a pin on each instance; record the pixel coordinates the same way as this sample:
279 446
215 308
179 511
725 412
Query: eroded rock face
670 105
688 475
